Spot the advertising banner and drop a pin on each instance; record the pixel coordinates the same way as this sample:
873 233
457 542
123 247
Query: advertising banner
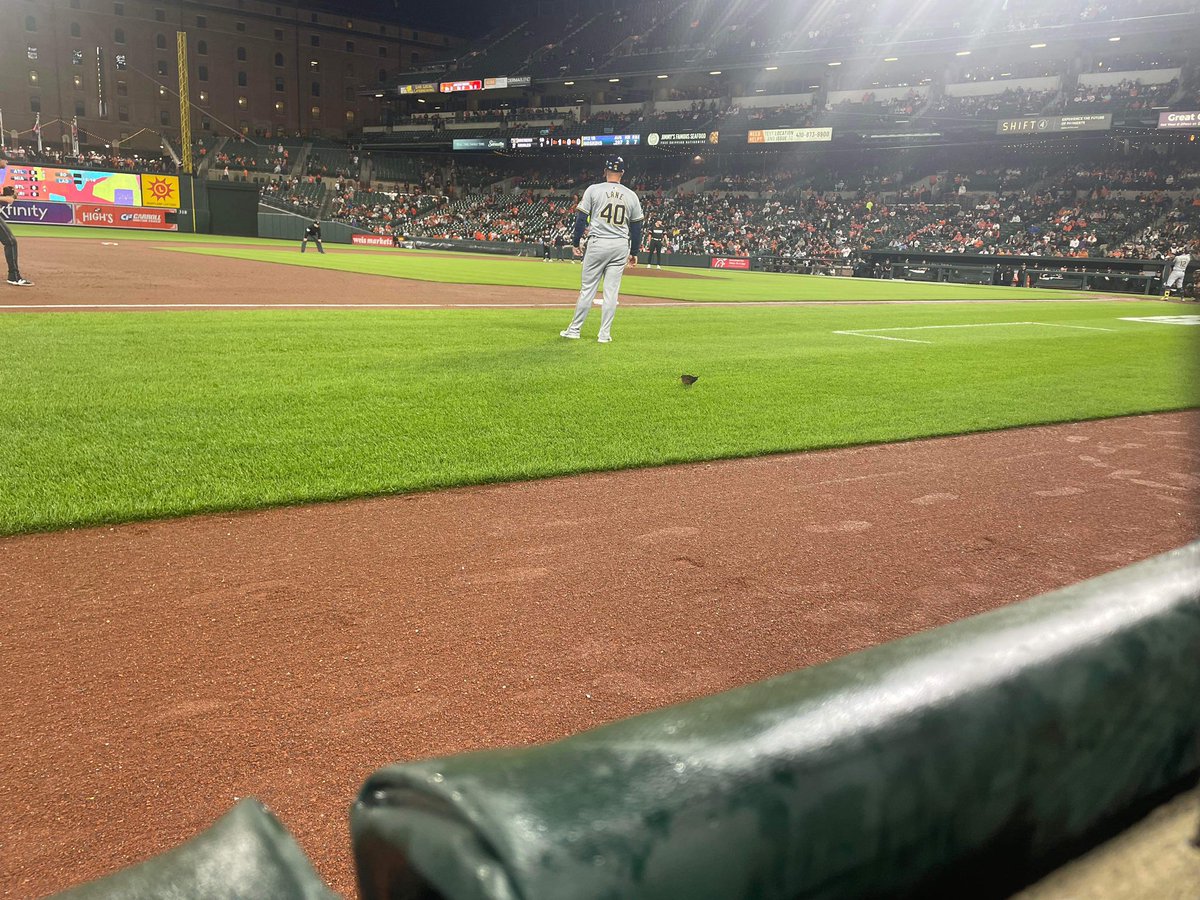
789 135
425 87
610 140
452 87
491 84
120 217
1179 120
719 262
161 191
518 81
480 144
1055 124
522 143
682 139
372 240
25 212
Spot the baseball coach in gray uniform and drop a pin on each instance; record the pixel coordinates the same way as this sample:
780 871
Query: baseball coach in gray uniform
616 217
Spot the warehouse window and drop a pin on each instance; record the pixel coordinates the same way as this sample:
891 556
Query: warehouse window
316 89
75 32
160 41
30 23
164 117
239 26
33 76
77 81
160 15
123 113
279 86
35 104
202 73
242 103
202 48
314 40
349 46
278 33
201 21
241 54
279 60
241 79
122 89
119 35
80 109
118 9
315 112
279 106
383 51
162 67
204 96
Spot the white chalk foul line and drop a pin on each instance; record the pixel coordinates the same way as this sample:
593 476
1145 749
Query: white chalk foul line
873 332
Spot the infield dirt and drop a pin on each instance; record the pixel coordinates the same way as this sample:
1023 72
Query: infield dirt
154 673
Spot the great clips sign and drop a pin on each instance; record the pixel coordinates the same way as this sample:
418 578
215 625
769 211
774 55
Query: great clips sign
28 212
724 262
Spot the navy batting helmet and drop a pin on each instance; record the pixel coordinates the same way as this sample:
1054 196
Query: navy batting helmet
614 164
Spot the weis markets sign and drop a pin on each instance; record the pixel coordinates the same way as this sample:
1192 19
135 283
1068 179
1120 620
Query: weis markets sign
372 240
1179 120
28 212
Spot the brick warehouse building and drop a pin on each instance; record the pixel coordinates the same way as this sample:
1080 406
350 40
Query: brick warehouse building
266 68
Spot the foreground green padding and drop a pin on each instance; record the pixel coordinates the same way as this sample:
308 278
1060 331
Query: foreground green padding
246 853
973 755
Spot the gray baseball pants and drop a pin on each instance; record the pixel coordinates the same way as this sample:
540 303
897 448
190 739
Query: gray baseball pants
604 258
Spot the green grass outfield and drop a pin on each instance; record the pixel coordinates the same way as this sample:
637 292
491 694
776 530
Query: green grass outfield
108 417
707 285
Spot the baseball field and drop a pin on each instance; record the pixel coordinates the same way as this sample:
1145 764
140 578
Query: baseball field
271 520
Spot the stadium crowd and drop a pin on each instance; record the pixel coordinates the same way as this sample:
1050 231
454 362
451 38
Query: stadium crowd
1069 211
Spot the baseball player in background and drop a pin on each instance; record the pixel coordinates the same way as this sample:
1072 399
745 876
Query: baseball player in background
615 216
312 233
7 197
1178 271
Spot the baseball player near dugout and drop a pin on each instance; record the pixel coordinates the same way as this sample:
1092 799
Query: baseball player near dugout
615 214
7 197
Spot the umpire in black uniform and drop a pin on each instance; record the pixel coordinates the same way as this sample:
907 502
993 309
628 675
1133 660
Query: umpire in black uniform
312 233
657 235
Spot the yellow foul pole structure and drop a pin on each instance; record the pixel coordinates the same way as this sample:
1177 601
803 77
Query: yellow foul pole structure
185 103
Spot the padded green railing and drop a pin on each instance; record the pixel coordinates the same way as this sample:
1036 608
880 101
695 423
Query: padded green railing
967 758
245 854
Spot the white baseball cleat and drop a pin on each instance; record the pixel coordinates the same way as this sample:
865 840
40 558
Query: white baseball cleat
597 302
573 335
20 282
603 340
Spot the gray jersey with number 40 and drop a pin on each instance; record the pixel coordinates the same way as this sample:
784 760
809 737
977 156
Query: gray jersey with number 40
610 207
